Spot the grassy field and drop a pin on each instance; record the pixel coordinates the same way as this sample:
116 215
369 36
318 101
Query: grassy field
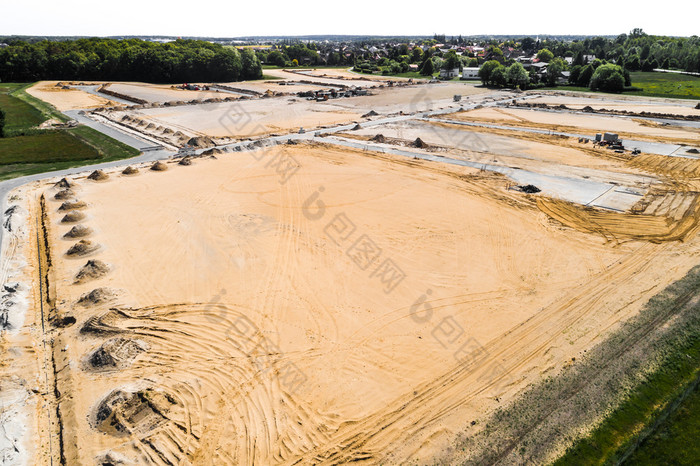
39 151
673 85
18 113
678 368
653 84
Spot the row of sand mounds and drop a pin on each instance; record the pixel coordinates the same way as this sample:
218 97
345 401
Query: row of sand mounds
130 170
159 166
72 205
73 217
115 353
78 231
98 175
64 194
82 248
92 270
123 413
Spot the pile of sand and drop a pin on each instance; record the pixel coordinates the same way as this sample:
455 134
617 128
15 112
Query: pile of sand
378 138
64 194
130 170
82 248
167 131
97 296
200 142
64 184
73 216
159 166
72 205
356 127
132 413
98 175
213 151
78 231
419 143
116 353
371 113
185 161
92 270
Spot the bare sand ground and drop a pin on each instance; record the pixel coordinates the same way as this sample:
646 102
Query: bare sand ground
163 93
678 107
67 99
259 322
629 103
586 123
263 116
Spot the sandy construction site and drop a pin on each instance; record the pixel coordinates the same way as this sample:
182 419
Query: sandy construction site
367 291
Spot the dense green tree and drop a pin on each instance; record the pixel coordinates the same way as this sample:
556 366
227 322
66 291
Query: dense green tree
608 78
427 69
554 69
545 55
2 123
451 61
416 55
633 63
517 76
584 77
486 70
499 76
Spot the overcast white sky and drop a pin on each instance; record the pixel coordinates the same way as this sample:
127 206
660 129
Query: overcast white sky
221 18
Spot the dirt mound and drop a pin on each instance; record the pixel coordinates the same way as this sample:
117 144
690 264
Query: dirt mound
92 270
130 171
82 248
167 131
78 231
693 151
185 161
159 166
115 353
697 107
200 142
378 138
213 151
530 189
98 175
64 184
73 216
587 109
150 126
97 296
72 205
126 118
419 144
124 413
64 194
356 127
371 113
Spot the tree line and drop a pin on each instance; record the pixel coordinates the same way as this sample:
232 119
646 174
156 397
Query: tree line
127 60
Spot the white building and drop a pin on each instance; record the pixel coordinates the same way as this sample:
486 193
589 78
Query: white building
470 73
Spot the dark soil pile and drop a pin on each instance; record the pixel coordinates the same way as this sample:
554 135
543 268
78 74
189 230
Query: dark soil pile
96 296
419 143
159 166
130 171
200 142
185 161
82 247
73 216
115 353
78 231
378 138
72 205
98 175
92 270
64 194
